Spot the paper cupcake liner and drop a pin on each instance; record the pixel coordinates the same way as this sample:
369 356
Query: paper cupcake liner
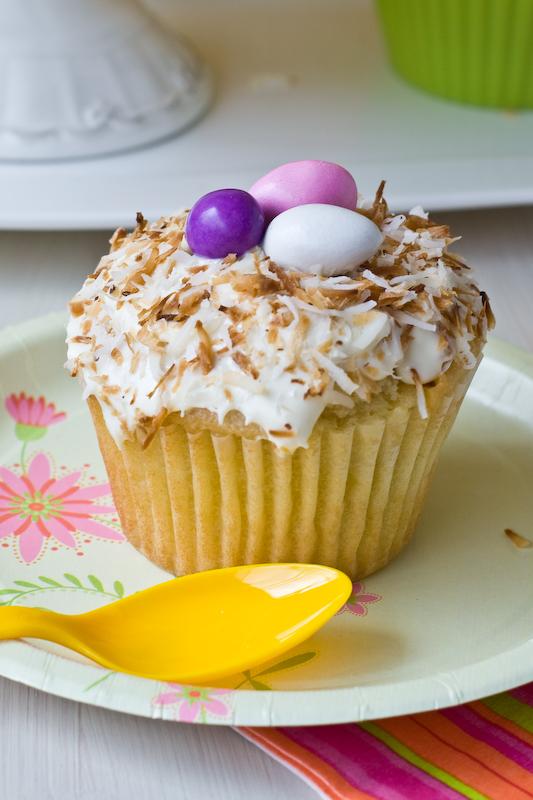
196 500
473 51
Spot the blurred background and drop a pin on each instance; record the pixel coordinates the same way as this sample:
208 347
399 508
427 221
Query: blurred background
274 81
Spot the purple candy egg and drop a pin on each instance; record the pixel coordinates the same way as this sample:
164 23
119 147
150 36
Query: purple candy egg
302 183
225 221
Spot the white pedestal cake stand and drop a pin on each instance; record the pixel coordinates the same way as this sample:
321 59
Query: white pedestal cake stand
84 78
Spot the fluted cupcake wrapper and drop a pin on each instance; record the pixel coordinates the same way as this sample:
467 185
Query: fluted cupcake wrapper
473 51
196 500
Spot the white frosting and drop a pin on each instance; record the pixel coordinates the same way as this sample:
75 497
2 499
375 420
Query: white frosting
424 354
156 329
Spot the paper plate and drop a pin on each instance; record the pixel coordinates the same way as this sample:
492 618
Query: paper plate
450 620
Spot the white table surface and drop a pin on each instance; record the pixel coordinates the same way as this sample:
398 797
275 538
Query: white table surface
54 749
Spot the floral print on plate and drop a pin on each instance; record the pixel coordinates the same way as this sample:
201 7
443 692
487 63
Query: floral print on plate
40 510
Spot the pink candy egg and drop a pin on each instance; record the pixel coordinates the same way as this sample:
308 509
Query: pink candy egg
302 182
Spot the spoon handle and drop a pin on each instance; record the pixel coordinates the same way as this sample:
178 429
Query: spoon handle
16 622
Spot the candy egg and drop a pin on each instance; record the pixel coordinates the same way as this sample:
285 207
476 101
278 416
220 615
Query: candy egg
225 221
321 239
302 182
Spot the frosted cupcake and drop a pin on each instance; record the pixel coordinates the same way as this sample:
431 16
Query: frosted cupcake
256 409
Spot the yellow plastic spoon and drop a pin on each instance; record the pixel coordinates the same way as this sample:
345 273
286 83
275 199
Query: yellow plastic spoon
198 628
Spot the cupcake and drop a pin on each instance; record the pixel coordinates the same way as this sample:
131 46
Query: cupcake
277 398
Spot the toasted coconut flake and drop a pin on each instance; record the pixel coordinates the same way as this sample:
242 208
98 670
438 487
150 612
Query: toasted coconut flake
141 222
293 316
403 279
363 310
77 307
139 275
290 281
415 222
319 385
454 261
420 395
134 365
284 434
82 339
174 238
128 338
235 313
117 356
409 319
237 336
113 389
339 298
154 427
517 539
315 307
166 375
379 281
379 209
284 317
243 361
189 302
439 231
167 307
152 262
272 334
181 304
179 373
491 321
206 355
337 374
254 285
170 268
118 238
98 270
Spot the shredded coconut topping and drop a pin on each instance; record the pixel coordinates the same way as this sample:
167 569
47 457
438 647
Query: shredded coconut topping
156 330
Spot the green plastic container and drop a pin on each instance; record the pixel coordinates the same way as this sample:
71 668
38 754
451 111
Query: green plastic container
473 51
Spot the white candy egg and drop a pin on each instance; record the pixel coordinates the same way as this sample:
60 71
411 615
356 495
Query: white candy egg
321 239
424 354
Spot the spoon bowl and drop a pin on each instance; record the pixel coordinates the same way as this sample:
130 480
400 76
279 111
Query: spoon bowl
198 628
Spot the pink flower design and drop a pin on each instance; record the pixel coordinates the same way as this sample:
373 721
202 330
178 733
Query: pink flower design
32 416
35 508
358 600
193 702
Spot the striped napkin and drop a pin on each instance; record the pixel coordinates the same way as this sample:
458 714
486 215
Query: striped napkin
478 750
